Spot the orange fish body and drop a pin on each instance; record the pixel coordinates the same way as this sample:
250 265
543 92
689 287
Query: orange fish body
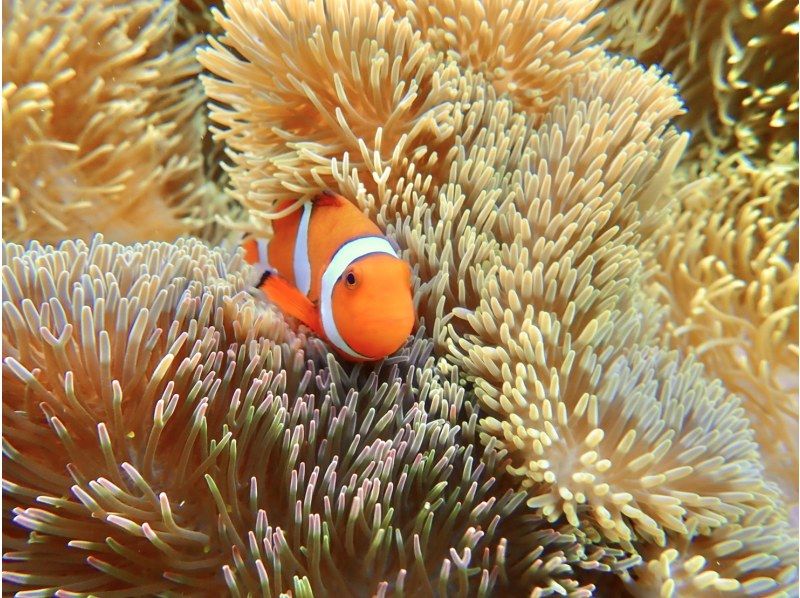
329 266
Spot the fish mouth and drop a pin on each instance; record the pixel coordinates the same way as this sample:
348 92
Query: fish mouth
386 337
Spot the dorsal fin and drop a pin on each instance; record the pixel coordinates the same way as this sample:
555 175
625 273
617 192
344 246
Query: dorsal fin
328 198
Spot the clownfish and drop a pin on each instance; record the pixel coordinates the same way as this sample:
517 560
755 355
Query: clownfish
329 266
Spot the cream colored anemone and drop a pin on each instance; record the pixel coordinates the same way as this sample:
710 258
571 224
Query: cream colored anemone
754 557
163 432
383 93
729 248
565 291
342 82
527 50
534 233
729 268
735 62
651 448
101 123
501 158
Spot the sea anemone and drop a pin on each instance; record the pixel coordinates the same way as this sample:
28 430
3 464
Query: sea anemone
753 557
728 257
535 239
102 123
730 274
289 98
574 413
165 433
527 51
736 64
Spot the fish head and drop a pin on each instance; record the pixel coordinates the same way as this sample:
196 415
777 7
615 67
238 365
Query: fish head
373 305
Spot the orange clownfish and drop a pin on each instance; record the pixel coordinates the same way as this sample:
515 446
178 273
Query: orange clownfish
330 267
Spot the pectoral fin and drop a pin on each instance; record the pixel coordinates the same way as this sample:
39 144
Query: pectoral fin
291 301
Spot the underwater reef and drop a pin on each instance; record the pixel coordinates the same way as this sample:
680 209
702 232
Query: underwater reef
598 200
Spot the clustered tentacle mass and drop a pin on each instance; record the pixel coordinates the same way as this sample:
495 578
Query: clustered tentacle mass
164 433
608 312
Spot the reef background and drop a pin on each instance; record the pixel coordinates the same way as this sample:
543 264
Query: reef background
599 201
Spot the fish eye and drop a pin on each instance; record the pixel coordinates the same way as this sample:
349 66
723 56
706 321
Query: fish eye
350 279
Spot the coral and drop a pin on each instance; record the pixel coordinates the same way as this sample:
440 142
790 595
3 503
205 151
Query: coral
102 123
170 432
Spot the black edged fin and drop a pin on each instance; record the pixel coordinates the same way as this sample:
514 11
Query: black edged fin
264 277
326 198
